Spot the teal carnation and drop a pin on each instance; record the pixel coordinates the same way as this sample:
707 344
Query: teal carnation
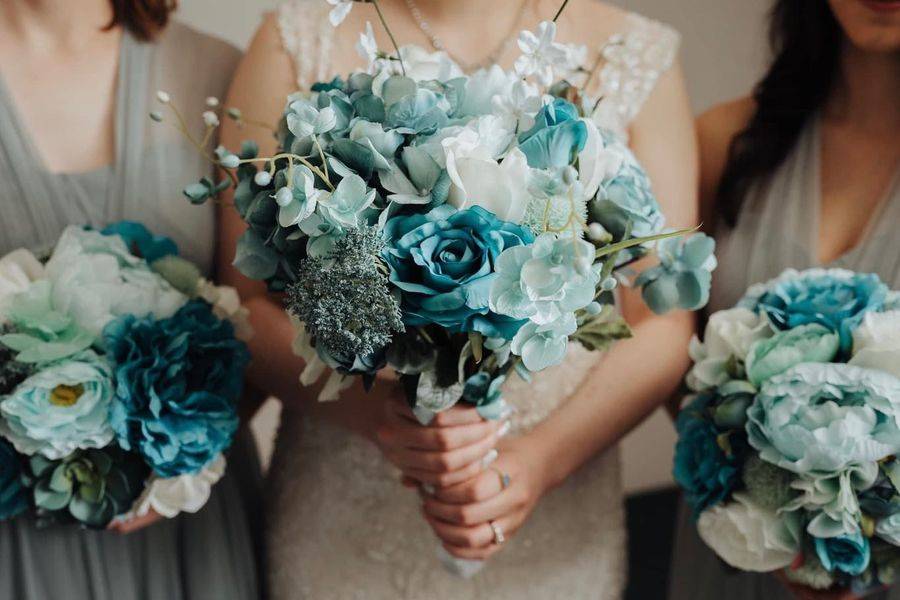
824 418
845 553
556 138
13 498
444 263
61 408
178 380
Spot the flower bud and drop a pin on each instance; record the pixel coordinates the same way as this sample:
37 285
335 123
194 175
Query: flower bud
284 196
230 161
597 232
212 102
593 308
210 118
156 116
263 178
163 97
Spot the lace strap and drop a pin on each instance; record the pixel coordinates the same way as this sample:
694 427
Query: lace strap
307 37
633 62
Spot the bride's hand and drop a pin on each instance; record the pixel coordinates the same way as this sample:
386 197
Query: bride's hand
461 515
448 451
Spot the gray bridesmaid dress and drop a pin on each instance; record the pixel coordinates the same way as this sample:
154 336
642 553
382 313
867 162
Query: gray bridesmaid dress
209 555
778 228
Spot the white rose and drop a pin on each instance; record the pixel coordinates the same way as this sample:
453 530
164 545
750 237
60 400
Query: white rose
597 161
17 270
876 342
226 304
749 537
729 333
172 495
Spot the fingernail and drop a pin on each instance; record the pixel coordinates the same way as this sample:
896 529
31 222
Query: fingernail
490 457
504 429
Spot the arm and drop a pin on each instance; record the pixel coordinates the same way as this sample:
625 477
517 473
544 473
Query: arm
621 391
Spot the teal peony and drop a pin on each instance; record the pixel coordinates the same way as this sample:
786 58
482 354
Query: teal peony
683 276
13 498
811 343
546 281
835 298
177 382
846 553
556 138
61 408
627 199
444 263
142 241
826 418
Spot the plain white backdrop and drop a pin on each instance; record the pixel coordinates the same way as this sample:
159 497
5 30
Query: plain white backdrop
723 53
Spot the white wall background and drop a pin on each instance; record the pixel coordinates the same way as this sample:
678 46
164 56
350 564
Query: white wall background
723 53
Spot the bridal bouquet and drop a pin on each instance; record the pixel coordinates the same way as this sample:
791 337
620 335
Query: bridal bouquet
787 450
119 375
453 227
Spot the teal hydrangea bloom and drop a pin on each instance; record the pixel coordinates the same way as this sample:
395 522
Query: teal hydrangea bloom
683 277
835 298
545 281
142 241
13 498
556 138
177 382
812 343
626 199
61 408
845 553
444 262
345 206
544 345
824 418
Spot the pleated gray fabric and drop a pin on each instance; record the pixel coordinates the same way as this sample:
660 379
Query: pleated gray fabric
778 228
210 555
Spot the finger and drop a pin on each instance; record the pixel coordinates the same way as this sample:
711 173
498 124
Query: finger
136 523
447 478
478 489
397 406
416 437
479 536
472 553
458 415
471 514
443 462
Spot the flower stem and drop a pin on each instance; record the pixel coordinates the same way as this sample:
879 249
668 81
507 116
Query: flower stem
561 9
391 34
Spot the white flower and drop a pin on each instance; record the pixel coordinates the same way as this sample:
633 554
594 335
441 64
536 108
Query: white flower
576 56
833 499
521 104
367 47
598 161
162 97
482 87
749 537
728 336
420 65
17 270
226 305
173 495
541 54
340 11
479 178
210 118
876 342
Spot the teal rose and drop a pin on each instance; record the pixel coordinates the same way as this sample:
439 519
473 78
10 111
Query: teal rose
817 418
61 408
444 263
556 138
845 553
811 343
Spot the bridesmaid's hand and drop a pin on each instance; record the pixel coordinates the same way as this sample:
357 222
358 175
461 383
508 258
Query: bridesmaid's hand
136 523
448 451
802 592
461 515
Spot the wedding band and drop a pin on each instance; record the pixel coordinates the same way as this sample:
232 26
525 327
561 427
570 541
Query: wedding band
498 533
504 478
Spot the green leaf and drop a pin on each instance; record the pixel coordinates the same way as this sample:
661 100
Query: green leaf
253 258
396 88
197 193
356 156
249 149
600 331
625 244
370 107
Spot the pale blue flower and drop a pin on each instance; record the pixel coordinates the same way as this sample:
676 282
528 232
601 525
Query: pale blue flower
546 281
298 202
542 346
346 204
847 553
627 199
424 181
382 143
305 119
61 408
832 499
421 113
683 277
807 343
556 138
826 417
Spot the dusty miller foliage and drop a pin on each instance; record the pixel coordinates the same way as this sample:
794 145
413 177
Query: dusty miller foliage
344 298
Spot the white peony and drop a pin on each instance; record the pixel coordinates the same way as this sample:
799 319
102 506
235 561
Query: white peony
597 161
728 334
226 305
17 270
876 342
749 537
173 495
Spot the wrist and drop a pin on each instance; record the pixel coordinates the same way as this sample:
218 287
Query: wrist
539 456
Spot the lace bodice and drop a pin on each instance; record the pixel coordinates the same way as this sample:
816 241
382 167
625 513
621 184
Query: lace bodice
633 59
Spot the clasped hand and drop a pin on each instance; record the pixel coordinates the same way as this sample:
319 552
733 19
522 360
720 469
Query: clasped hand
465 492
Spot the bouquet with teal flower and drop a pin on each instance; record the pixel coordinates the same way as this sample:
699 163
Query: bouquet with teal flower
787 448
120 368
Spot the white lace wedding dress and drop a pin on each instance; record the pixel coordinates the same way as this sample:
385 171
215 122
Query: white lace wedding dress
341 527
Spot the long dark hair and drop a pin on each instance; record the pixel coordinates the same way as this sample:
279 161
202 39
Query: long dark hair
144 18
806 41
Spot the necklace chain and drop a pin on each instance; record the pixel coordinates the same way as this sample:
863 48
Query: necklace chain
439 45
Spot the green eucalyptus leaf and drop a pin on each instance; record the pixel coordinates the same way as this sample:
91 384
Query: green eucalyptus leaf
197 193
253 258
357 157
396 88
370 107
249 149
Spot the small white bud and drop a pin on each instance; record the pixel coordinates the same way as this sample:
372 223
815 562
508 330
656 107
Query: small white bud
212 102
597 232
230 161
284 196
156 116
608 284
262 178
593 308
163 97
234 113
211 119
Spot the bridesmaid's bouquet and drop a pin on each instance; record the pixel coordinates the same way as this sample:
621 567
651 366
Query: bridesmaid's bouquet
453 227
788 447
120 369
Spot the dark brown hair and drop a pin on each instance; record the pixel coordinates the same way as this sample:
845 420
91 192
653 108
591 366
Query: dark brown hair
143 18
806 42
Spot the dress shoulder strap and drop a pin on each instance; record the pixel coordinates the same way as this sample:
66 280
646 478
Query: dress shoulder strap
307 37
632 63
